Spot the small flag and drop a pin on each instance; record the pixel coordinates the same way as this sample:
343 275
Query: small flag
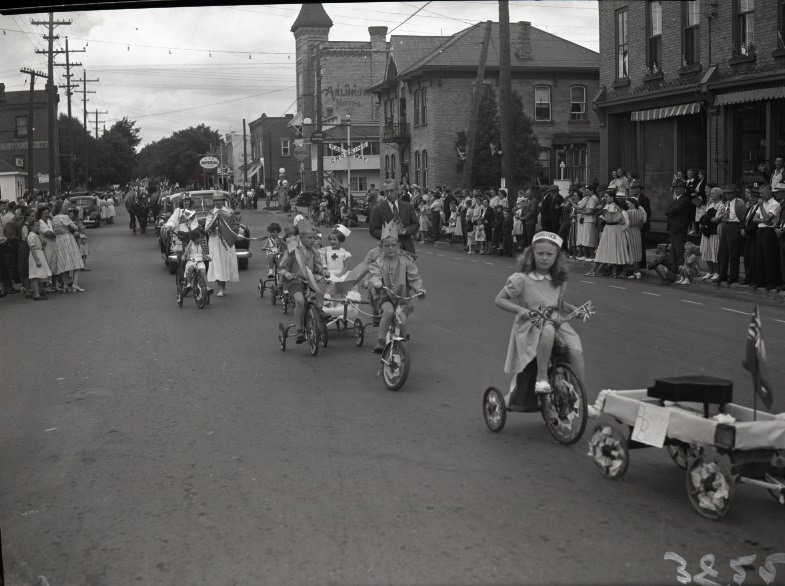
755 361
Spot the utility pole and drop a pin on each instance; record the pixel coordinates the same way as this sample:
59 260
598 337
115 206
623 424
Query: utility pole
476 94
68 75
505 96
84 91
319 145
245 158
51 95
96 121
31 127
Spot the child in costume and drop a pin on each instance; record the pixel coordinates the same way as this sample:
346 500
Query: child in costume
334 257
663 264
539 284
194 256
275 246
691 267
396 270
302 261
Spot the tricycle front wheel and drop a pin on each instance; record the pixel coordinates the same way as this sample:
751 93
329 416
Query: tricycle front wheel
564 408
493 409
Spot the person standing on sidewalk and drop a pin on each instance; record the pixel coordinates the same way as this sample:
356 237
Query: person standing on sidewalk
749 233
780 232
730 236
767 261
679 216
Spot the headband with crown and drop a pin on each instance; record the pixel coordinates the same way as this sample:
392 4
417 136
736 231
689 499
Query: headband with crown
389 230
305 226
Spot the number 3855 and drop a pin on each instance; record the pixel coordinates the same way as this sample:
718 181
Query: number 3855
767 571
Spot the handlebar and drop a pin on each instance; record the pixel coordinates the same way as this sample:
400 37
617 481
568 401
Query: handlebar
399 298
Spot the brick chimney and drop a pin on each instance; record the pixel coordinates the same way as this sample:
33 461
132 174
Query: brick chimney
378 38
524 49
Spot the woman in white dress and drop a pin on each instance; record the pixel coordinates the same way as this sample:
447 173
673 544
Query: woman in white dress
110 209
46 234
102 205
223 263
612 248
710 241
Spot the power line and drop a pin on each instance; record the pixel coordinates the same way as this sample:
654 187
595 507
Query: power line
410 17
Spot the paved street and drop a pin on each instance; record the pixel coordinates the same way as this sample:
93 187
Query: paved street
142 443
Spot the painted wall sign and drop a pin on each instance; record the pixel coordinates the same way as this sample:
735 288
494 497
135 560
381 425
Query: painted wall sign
19 146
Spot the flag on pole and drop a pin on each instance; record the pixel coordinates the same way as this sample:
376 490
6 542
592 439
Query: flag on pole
755 361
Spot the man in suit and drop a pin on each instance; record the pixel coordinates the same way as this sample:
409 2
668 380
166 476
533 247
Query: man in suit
779 231
767 261
529 217
679 216
729 232
392 209
749 233
557 199
636 191
546 220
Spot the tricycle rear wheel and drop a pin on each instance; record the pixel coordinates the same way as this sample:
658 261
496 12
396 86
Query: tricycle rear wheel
564 408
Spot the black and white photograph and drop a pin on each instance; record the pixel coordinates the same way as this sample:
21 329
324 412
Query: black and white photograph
247 336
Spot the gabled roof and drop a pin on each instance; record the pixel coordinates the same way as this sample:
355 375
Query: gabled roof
312 15
463 50
6 167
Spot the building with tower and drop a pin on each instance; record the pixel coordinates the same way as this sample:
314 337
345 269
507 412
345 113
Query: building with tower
349 112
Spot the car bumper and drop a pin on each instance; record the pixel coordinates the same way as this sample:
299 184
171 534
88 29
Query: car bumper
243 253
91 221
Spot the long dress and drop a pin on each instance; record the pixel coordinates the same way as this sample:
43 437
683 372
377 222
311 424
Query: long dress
612 248
104 209
587 229
532 291
67 256
34 244
636 218
48 241
223 266
24 254
710 245
110 210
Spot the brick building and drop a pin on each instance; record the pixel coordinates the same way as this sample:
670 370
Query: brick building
271 148
14 128
699 83
426 91
348 69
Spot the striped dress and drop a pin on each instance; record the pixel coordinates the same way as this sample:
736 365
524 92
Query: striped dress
67 256
710 245
636 218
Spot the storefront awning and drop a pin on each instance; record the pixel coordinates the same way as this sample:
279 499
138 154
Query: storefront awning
254 169
670 111
769 93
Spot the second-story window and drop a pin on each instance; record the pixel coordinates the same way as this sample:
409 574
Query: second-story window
285 147
781 27
654 36
417 167
386 112
692 49
542 103
745 27
386 165
417 108
21 126
622 46
577 102
424 107
425 169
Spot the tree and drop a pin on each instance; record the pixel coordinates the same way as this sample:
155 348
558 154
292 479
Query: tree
115 157
177 157
487 166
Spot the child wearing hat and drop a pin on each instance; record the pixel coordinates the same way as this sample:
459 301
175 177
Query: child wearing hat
396 270
540 282
298 261
195 256
334 256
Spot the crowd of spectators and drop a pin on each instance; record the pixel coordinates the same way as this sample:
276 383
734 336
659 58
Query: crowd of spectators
43 246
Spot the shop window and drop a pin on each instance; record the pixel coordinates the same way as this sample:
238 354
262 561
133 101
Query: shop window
21 126
425 169
578 102
654 36
542 103
285 147
424 107
744 31
393 165
373 148
417 167
545 166
691 19
417 108
622 45
359 183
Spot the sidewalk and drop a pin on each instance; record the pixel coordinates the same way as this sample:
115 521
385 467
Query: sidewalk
735 291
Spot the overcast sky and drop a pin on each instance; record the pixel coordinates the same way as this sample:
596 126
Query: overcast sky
170 68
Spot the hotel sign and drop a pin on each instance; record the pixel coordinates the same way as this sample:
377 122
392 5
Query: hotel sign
19 146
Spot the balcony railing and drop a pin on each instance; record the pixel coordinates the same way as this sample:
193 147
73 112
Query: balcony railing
396 132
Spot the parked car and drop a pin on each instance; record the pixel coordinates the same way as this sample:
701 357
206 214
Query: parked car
305 198
91 215
172 247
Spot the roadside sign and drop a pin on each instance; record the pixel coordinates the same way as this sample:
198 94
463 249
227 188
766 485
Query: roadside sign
209 162
317 137
301 153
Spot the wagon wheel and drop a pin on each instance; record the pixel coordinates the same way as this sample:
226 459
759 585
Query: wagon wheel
681 454
709 486
608 448
359 332
493 409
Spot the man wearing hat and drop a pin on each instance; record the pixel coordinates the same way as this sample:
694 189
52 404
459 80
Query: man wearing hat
729 233
767 261
679 217
749 234
392 209
546 210
529 213
636 191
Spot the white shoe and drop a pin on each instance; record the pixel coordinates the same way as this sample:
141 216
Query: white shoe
220 293
542 386
715 277
270 274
